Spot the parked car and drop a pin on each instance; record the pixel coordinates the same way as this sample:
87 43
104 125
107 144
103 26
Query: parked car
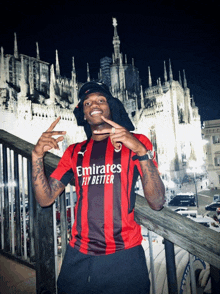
213 206
191 213
206 221
216 198
183 199
180 209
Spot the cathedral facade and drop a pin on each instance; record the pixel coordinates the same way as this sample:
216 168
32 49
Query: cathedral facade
33 94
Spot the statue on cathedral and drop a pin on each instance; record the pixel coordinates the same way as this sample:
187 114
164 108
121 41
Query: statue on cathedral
114 21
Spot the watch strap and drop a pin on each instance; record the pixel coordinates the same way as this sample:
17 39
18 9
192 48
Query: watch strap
140 158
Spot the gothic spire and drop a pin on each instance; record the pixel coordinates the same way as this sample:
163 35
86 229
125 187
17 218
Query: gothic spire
126 59
193 101
23 83
113 58
88 74
160 86
31 80
73 72
137 112
51 100
2 81
100 74
180 80
116 41
149 77
15 46
121 60
57 64
142 97
37 49
165 72
170 71
73 65
121 74
126 94
184 79
74 84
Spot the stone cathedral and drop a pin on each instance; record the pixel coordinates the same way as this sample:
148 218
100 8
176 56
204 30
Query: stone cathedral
33 94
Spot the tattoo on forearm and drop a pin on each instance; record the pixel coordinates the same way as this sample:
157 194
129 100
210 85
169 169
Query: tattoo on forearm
39 178
55 185
149 171
37 168
151 179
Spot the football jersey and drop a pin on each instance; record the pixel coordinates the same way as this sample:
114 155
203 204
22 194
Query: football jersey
105 181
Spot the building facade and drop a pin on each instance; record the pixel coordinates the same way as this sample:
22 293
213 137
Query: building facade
33 94
211 133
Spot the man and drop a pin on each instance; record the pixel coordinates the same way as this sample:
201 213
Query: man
104 254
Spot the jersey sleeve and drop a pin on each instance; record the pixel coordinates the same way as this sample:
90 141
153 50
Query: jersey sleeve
149 146
64 172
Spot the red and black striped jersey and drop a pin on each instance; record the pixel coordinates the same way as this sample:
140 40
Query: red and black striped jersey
105 181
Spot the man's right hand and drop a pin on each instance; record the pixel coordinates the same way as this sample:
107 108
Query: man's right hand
47 142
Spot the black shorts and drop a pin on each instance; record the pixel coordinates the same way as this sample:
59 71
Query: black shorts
123 272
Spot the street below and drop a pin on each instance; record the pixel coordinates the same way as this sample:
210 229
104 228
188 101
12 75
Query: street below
205 195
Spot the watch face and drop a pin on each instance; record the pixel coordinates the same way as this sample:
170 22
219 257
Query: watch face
150 154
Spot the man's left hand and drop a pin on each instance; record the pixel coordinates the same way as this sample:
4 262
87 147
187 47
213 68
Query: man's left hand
120 135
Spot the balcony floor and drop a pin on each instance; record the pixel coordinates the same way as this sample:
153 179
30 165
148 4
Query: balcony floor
16 277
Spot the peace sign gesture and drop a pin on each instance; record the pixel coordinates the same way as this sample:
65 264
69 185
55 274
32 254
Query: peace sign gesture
120 135
46 142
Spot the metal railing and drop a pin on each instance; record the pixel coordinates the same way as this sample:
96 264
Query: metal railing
38 236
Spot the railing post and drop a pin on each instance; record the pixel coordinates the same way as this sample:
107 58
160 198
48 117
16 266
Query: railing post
171 267
31 209
63 222
215 279
6 202
192 275
1 199
17 205
152 262
45 258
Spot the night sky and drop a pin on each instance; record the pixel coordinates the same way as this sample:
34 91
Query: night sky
149 31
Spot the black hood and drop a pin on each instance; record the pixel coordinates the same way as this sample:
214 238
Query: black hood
118 113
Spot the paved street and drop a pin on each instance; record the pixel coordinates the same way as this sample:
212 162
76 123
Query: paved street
205 195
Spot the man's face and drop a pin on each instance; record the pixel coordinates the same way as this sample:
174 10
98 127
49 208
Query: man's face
95 105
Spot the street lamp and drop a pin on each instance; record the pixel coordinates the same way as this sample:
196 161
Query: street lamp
193 169
194 179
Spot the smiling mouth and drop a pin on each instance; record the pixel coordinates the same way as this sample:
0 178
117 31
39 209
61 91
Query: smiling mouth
95 112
